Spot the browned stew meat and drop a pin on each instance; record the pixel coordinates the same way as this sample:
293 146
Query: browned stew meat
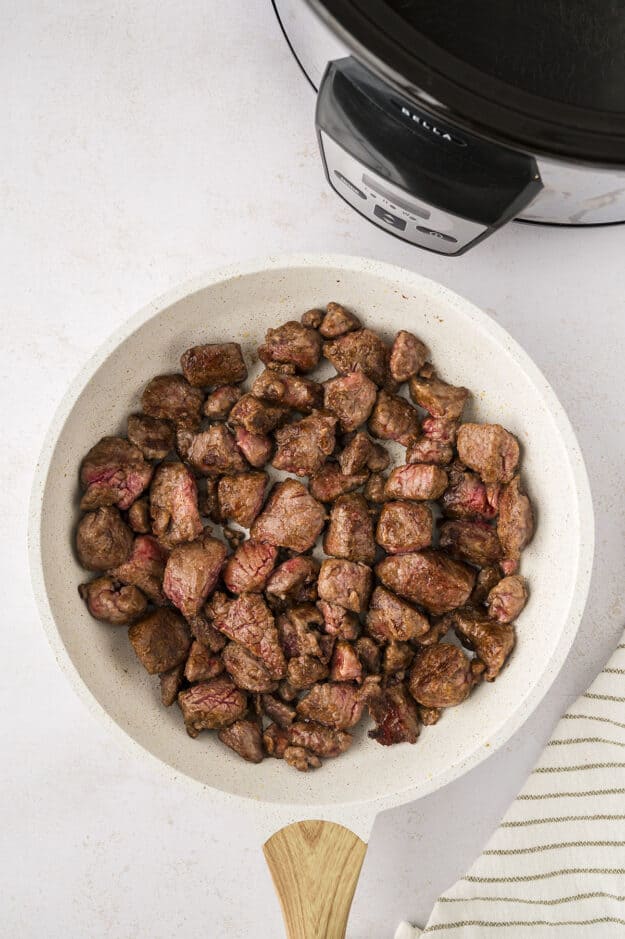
280 568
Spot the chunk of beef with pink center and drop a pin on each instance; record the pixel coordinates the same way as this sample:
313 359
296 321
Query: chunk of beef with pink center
350 398
345 664
492 642
408 355
245 738
360 351
173 505
507 598
145 568
346 583
172 398
338 621
215 453
110 602
361 453
319 739
474 541
202 664
335 704
103 540
489 450
515 525
291 518
303 447
217 363
404 526
294 579
437 397
220 402
248 671
249 621
292 391
154 436
293 344
350 531
192 572
338 321
429 578
330 483
301 759
256 416
241 497
396 717
468 497
441 676
417 481
114 472
161 640
256 448
211 705
249 568
390 618
426 450
394 418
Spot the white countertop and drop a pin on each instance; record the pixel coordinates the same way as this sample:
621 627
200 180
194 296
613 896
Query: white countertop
141 144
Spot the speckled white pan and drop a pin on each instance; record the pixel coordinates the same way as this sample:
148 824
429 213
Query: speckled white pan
240 303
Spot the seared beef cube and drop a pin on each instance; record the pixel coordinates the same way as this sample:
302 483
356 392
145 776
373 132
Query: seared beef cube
350 532
153 436
396 716
345 583
161 640
418 481
473 541
437 397
286 692
291 518
426 450
173 505
489 450
294 344
303 447
139 516
241 497
429 716
184 442
404 526
361 453
360 351
211 705
408 355
441 676
202 664
429 578
256 448
294 629
245 738
248 671
369 654
486 579
276 710
312 318
249 567
294 579
330 483
218 405
258 417
145 568
109 602
492 642
214 452
326 647
172 398
345 665
507 598
275 740
437 631
338 321
217 363
249 621
192 572
397 657
292 391
316 738
437 428
301 759
390 618
515 525
204 631
217 606
375 488
304 670
171 683
103 540
468 497
335 704
350 398
394 418
114 472
338 621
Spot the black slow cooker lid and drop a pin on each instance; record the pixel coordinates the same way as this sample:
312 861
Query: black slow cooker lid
545 75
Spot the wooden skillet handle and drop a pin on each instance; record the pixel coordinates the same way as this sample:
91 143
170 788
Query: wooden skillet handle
315 868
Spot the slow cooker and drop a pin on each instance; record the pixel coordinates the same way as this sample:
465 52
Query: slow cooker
440 122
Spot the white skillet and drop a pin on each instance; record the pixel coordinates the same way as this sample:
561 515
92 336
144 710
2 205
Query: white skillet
316 866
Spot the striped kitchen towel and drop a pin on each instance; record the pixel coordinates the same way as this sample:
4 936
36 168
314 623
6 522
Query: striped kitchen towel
556 864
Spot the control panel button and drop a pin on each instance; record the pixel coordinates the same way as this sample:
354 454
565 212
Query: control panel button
393 220
350 185
437 234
